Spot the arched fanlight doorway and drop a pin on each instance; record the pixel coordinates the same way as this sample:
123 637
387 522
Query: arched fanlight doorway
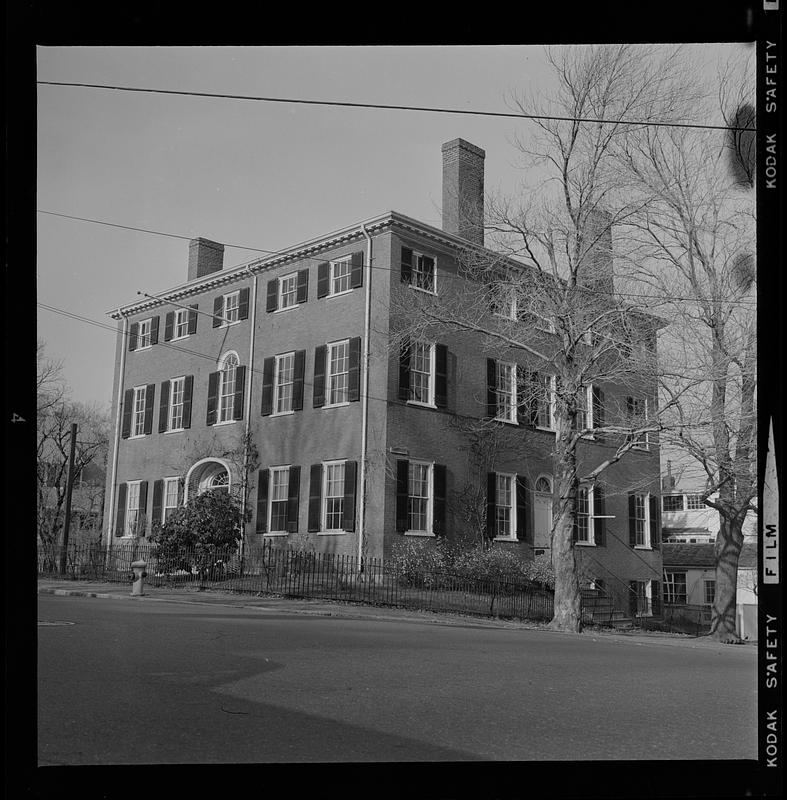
542 512
209 474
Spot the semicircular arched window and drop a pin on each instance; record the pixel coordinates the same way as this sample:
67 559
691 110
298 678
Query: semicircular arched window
227 381
544 485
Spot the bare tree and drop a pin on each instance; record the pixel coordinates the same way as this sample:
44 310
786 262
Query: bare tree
698 227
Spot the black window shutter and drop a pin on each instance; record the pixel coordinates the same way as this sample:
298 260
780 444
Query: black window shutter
356 270
323 279
523 510
600 508
320 354
154 330
655 521
132 336
441 376
268 367
315 497
262 501
438 509
272 300
354 372
143 506
632 521
218 310
188 390
404 371
240 385
180 492
522 391
655 598
293 499
128 408
302 292
120 517
350 483
243 303
491 388
169 325
150 396
407 265
158 493
402 491
533 390
163 407
491 503
213 398
633 598
629 407
598 407
299 370
193 318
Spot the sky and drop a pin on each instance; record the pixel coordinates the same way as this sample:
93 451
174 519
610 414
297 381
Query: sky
253 174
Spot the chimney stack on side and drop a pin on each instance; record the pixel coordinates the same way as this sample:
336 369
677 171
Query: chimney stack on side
463 190
205 257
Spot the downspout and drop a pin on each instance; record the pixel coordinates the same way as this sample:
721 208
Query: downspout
250 372
116 448
365 393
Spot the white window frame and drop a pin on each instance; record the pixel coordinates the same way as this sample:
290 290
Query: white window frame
591 533
665 497
586 413
345 262
278 385
647 596
550 402
180 322
226 320
695 505
224 410
138 413
511 416
145 334
332 377
428 530
645 444
274 471
282 294
324 504
645 522
705 583
544 325
432 374
416 270
510 478
670 586
166 496
509 298
175 383
132 493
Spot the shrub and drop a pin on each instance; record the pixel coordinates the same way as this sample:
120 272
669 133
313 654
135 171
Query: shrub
539 570
415 561
489 564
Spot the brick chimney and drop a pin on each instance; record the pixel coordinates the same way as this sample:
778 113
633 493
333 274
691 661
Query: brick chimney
463 190
205 257
596 267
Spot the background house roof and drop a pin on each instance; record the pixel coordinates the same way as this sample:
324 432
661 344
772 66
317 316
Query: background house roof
701 555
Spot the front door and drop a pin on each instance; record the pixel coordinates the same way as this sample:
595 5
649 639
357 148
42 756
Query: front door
542 513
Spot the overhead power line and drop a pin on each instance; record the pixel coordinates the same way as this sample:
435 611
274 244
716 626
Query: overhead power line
631 295
390 107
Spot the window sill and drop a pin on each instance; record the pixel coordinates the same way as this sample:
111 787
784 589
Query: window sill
143 347
430 292
180 338
546 430
338 294
226 422
422 534
420 404
505 539
642 547
281 413
585 544
337 405
287 308
138 436
331 533
174 430
507 421
226 324
275 533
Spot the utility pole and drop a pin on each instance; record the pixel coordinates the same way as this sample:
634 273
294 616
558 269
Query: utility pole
69 489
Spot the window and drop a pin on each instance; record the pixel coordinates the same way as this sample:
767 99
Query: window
421 373
672 502
545 324
280 484
181 325
694 502
340 275
231 308
227 376
145 334
584 515
418 495
288 291
585 408
133 510
170 497
504 301
640 520
674 588
709 591
637 412
218 480
285 377
138 415
333 497
338 372
545 400
641 598
176 395
419 270
505 506
506 392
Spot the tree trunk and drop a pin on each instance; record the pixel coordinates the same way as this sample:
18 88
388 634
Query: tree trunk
729 542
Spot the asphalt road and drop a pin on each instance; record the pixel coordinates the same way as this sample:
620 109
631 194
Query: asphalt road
144 682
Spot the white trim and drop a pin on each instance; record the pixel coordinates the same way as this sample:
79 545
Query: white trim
430 402
429 530
276 369
329 376
201 462
118 425
164 505
418 254
280 291
324 495
171 405
514 396
225 323
331 277
511 537
269 511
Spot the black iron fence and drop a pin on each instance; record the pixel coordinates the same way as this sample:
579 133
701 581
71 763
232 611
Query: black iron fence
304 574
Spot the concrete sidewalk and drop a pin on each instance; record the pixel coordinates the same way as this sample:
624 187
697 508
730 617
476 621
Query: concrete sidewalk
328 608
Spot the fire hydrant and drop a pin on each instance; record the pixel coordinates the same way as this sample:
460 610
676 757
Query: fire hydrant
137 587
